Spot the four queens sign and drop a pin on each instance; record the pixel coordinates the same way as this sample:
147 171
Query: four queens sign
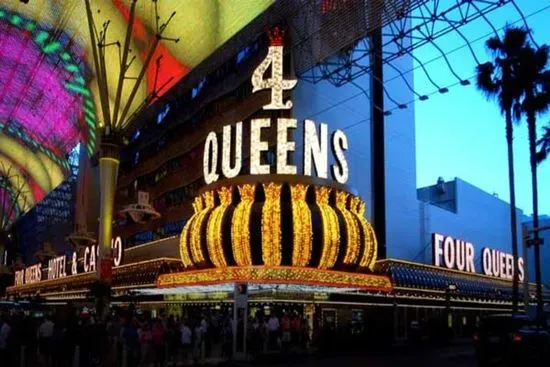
315 136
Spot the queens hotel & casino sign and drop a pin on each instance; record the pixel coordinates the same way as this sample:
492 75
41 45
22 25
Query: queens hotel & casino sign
453 253
57 267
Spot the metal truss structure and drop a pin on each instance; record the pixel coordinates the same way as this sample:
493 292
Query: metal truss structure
406 27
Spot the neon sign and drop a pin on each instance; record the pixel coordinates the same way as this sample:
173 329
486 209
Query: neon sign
315 137
57 267
452 253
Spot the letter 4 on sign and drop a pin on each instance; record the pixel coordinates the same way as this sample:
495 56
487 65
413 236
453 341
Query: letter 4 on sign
276 83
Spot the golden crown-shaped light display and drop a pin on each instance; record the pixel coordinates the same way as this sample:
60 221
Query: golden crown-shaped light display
278 224
282 227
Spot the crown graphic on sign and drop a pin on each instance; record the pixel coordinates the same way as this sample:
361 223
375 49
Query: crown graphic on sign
276 36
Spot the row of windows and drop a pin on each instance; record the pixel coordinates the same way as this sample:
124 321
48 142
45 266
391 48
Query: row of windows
169 229
189 101
207 112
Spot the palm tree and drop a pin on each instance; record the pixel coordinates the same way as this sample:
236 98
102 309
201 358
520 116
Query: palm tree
535 85
544 145
497 80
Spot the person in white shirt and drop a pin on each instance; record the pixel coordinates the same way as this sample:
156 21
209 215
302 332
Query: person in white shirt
46 329
186 337
45 332
273 332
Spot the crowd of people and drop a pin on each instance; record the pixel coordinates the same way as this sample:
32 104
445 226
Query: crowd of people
129 338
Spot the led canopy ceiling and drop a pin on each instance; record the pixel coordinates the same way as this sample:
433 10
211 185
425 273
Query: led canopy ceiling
48 99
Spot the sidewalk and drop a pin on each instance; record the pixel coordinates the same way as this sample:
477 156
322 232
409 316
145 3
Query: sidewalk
457 350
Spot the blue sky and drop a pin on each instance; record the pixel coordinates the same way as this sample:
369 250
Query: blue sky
461 134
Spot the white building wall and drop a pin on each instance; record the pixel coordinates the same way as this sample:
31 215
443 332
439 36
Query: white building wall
402 211
480 218
346 108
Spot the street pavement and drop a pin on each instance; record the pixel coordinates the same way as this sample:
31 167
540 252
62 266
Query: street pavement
456 355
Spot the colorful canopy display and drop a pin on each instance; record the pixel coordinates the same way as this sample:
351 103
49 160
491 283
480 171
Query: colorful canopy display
48 96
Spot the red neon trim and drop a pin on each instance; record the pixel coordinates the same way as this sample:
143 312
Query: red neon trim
170 65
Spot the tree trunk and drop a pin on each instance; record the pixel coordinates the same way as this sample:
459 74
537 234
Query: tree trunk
513 212
532 127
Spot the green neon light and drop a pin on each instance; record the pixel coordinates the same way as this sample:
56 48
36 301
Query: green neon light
73 68
77 89
79 79
51 47
41 37
30 26
89 112
15 19
89 121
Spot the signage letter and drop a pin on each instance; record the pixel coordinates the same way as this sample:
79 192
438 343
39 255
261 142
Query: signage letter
437 251
521 274
449 252
314 149
257 146
228 171
284 146
340 170
86 264
470 266
276 83
460 255
210 158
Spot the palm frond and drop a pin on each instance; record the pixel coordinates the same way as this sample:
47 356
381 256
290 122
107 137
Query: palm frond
517 110
544 145
485 81
514 40
494 44
541 58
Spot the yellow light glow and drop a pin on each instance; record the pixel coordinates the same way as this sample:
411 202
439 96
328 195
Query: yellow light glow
214 229
184 243
368 258
240 226
53 169
301 224
27 160
276 274
271 225
352 229
196 235
8 169
331 232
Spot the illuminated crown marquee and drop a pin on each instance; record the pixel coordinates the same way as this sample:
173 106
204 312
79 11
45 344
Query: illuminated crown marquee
279 227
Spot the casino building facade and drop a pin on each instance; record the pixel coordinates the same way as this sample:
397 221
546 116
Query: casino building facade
291 188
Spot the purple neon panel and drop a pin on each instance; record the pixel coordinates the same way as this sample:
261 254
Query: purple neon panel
33 95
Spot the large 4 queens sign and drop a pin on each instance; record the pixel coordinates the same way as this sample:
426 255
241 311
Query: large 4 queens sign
315 136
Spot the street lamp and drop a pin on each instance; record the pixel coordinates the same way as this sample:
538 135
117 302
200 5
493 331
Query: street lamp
116 120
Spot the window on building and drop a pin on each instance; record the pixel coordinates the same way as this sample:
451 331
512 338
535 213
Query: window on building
162 114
